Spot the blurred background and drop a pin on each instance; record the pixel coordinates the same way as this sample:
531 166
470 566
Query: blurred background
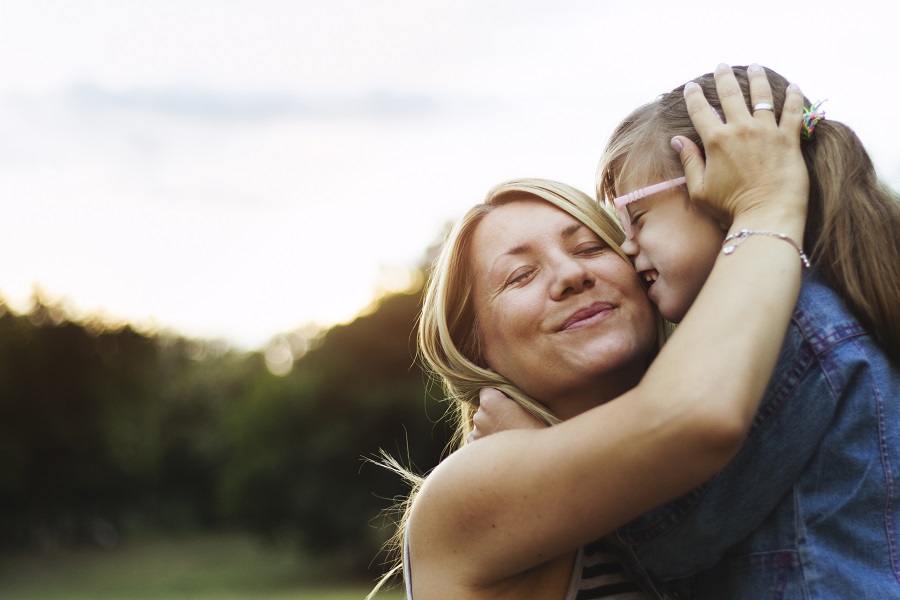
217 216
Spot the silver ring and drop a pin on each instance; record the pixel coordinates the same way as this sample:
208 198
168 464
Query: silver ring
763 106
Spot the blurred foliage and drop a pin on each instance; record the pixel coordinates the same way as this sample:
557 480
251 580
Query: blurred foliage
107 431
206 566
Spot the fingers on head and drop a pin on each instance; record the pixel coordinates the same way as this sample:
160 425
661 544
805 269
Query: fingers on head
729 91
760 91
792 112
702 115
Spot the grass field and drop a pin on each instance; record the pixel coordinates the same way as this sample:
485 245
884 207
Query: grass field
226 567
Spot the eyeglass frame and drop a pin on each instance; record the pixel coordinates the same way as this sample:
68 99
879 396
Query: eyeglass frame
622 201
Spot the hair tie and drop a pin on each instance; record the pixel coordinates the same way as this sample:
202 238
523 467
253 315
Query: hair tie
811 115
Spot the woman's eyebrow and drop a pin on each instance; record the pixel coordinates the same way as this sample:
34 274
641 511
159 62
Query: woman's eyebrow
572 229
516 250
568 232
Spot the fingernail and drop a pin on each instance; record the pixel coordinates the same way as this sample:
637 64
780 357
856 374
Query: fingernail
677 146
722 66
754 67
794 86
690 85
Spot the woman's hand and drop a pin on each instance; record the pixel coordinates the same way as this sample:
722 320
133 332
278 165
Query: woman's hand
753 163
498 412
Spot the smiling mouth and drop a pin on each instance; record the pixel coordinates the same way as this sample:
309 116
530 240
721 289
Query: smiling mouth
586 316
648 278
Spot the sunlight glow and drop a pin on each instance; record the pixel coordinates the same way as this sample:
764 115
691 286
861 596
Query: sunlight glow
291 164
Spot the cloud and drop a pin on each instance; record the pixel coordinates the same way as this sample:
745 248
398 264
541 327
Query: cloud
192 103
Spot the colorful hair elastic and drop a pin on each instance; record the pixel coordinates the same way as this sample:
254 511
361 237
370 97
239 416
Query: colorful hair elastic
811 115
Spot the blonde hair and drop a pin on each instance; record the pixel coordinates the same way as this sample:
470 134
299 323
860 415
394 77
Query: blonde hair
448 335
851 232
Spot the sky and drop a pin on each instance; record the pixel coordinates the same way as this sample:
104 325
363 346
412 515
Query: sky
236 170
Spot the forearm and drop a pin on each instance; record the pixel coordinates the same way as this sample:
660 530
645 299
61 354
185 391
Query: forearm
723 353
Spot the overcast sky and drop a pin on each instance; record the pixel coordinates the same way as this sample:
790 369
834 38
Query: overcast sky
237 169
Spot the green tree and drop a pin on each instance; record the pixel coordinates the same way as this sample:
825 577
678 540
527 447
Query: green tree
297 467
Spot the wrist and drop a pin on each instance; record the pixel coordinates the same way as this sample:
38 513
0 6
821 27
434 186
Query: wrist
735 239
775 216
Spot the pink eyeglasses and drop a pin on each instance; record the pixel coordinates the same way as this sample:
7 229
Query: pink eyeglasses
622 201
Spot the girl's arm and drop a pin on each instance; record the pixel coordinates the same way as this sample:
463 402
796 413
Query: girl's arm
515 500
498 412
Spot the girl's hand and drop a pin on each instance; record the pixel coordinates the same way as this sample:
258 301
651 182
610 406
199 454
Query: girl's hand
753 163
498 412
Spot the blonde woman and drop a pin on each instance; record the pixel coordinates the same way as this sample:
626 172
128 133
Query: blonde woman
531 293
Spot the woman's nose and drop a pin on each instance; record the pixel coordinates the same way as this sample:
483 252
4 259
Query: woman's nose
573 278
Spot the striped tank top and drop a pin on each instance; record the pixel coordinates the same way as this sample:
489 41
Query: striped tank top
598 573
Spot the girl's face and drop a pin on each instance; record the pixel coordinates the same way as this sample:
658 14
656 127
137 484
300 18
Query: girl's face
674 246
560 313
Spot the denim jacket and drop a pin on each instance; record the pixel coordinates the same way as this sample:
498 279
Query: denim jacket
806 508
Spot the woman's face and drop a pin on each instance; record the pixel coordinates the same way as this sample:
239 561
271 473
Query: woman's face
561 314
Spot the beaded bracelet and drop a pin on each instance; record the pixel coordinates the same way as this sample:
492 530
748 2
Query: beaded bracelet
736 239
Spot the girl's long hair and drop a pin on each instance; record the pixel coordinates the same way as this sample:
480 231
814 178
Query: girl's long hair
853 218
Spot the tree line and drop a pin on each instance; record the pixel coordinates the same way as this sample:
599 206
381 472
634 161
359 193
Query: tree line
107 432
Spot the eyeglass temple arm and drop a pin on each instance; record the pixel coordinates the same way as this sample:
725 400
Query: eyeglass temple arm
643 192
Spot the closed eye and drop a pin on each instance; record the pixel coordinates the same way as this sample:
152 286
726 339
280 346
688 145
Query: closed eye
590 248
519 276
636 215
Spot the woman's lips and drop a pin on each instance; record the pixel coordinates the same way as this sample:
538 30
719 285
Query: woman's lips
586 315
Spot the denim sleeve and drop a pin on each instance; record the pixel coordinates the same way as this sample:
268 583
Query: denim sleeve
694 531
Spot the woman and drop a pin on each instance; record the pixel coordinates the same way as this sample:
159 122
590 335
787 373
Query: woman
531 290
